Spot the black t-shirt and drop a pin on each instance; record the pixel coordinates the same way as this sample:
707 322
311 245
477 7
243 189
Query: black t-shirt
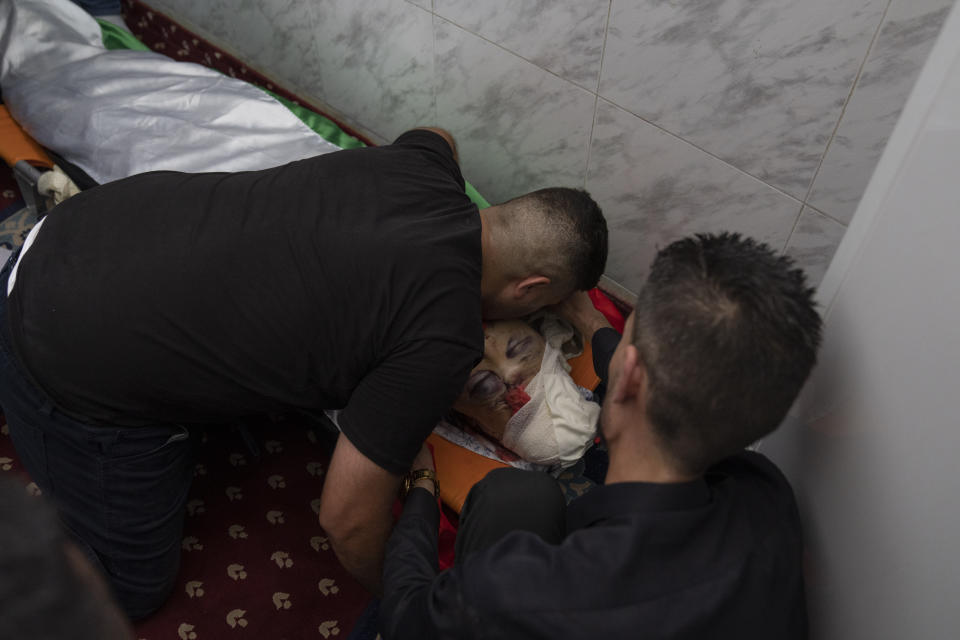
347 280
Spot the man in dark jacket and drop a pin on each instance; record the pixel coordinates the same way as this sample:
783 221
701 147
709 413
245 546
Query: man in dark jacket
690 536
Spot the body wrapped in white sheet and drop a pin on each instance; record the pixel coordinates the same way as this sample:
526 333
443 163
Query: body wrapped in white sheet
118 113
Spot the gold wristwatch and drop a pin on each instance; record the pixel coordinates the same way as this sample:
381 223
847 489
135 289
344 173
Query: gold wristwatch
413 476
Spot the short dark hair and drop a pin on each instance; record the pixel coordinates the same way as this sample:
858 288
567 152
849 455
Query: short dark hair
569 226
42 594
728 333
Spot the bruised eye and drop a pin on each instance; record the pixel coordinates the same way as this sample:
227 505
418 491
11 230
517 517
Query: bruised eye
519 346
484 384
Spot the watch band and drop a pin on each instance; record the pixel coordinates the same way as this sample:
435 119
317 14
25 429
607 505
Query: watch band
411 477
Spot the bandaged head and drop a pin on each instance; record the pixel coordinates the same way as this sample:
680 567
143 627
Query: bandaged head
521 394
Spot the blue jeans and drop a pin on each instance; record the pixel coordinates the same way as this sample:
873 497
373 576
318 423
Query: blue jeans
120 491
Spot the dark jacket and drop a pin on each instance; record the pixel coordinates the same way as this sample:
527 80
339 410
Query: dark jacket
719 557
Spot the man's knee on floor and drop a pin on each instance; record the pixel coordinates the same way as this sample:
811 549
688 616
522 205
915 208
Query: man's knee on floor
142 591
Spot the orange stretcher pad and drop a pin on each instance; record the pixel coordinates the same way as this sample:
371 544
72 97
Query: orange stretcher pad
458 469
16 145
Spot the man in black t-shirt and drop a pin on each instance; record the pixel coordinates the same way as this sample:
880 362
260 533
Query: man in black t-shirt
353 280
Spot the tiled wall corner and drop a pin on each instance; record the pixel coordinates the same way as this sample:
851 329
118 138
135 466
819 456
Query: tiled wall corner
901 48
813 242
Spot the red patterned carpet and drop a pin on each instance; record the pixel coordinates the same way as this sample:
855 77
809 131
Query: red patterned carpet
255 562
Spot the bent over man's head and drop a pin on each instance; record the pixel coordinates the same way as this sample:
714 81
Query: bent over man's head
543 246
728 333
564 233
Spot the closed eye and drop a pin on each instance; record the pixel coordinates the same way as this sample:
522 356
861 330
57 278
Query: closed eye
518 347
483 385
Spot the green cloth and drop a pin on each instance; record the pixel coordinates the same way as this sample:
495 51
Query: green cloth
475 196
325 127
116 38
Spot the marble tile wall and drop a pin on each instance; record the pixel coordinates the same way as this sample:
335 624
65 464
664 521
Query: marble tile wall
761 116
899 52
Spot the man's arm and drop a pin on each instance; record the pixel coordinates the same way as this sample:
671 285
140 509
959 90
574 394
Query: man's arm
389 415
499 592
604 343
355 511
410 569
410 565
579 311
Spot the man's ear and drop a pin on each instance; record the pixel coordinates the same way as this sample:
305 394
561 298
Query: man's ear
628 384
528 285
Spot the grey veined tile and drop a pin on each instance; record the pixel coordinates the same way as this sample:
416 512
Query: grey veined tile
518 127
759 84
905 40
813 243
563 36
273 36
374 62
655 189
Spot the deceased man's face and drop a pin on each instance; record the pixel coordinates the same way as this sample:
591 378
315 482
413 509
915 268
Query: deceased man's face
512 354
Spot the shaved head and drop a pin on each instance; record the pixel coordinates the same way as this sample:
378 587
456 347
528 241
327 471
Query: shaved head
559 233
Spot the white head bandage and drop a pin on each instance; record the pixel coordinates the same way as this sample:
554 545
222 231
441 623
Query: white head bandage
557 425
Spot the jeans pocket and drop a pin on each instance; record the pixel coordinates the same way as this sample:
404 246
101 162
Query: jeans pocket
146 476
137 444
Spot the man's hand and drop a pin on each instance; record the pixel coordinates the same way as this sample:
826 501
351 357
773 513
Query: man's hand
424 459
446 135
355 511
579 311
